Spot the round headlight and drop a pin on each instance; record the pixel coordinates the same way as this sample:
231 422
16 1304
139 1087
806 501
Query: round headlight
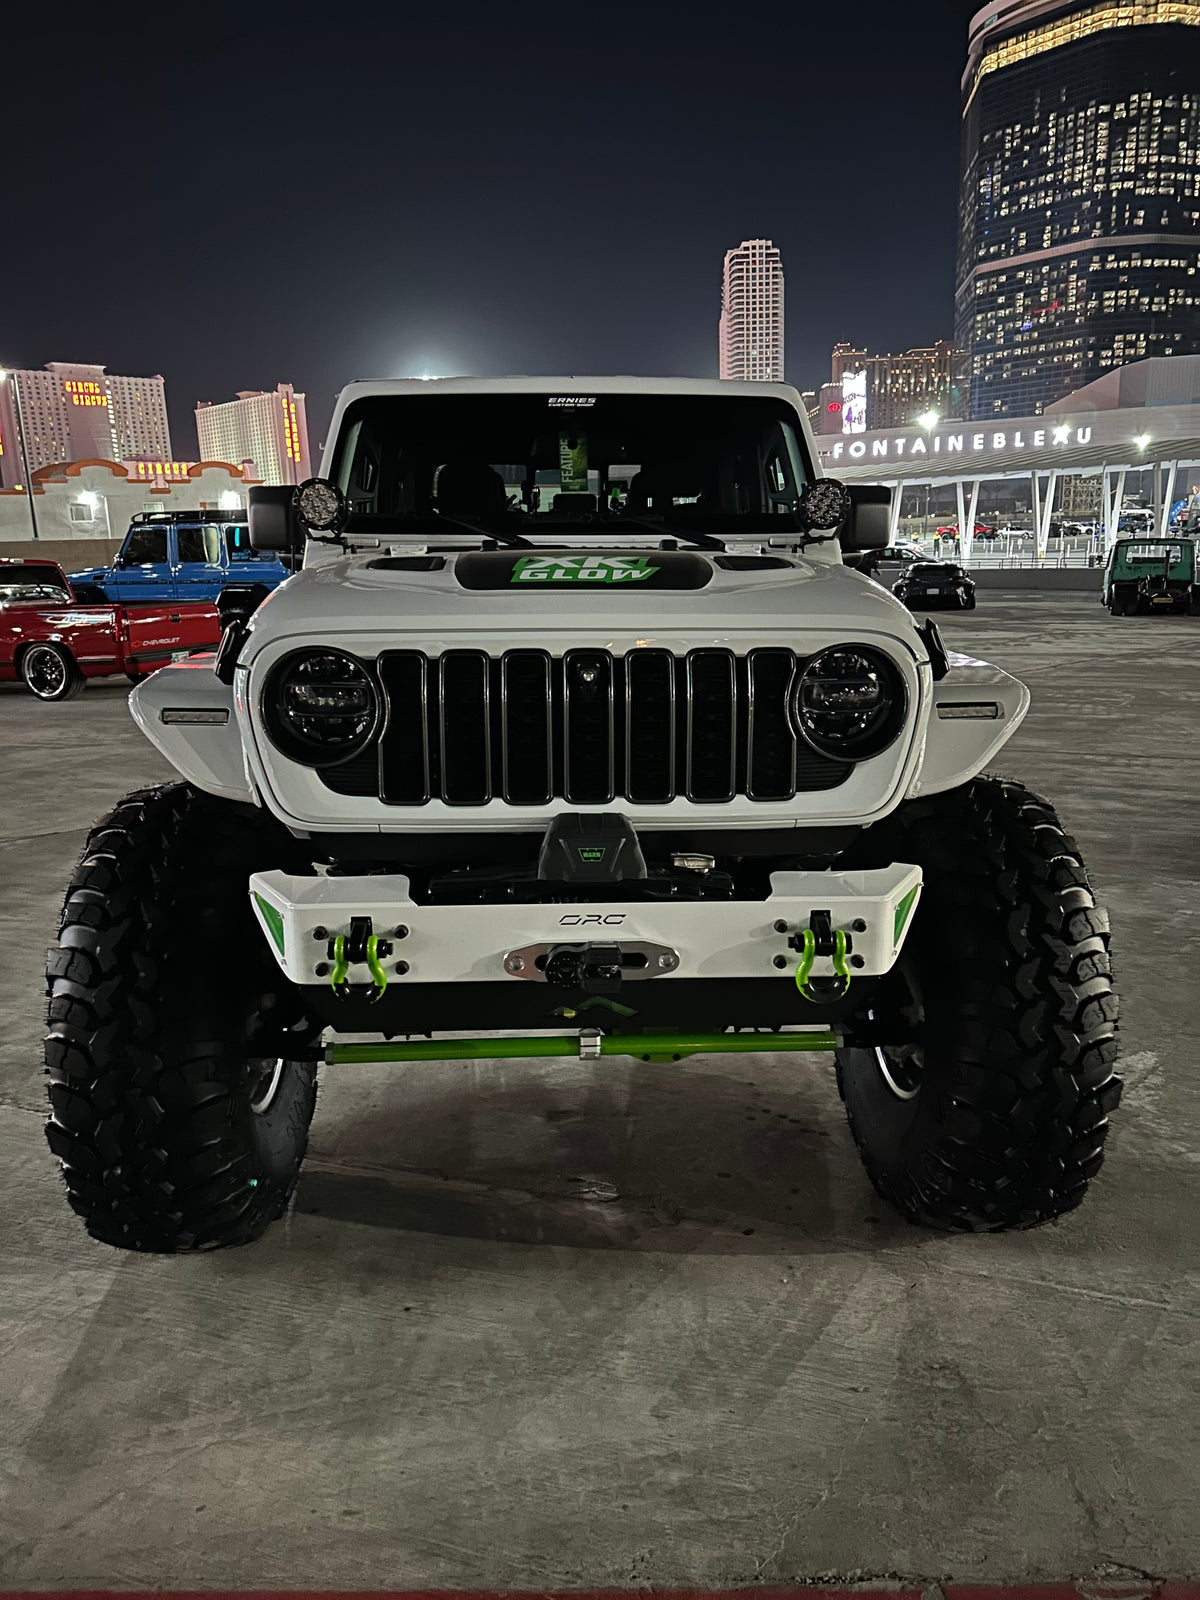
849 702
321 707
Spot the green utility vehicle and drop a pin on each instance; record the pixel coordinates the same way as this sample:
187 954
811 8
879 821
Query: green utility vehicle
1151 575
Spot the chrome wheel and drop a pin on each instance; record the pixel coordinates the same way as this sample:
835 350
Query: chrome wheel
264 1075
900 1068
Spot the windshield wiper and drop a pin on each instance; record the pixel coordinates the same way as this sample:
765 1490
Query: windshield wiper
516 540
698 541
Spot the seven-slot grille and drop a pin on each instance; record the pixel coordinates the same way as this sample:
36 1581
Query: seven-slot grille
587 727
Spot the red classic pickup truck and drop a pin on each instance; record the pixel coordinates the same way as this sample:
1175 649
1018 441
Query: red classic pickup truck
53 639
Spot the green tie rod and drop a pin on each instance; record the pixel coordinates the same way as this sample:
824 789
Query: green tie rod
643 1046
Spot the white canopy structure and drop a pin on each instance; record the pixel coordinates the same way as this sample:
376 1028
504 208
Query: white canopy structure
1085 436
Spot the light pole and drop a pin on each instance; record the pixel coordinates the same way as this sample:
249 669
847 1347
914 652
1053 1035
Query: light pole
16 393
929 421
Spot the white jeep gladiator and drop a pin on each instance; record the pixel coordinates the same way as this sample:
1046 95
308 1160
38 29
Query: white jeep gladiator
575 731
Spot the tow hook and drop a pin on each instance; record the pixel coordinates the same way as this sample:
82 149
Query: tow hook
359 947
821 939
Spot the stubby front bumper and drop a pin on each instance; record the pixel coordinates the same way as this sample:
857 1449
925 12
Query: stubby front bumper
372 958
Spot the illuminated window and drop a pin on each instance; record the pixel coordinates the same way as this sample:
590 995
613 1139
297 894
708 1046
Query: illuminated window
1065 30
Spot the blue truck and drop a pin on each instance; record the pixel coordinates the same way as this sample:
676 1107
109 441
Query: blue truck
180 555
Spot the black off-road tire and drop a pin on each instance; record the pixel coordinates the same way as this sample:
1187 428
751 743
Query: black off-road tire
998 1118
51 672
969 603
168 1019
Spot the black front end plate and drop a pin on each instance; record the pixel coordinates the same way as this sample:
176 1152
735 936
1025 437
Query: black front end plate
688 1004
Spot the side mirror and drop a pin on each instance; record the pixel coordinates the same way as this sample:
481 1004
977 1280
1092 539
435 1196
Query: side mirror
273 524
870 514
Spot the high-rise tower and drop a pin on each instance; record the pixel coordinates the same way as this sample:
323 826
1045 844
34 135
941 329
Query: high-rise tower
751 327
1079 216
267 428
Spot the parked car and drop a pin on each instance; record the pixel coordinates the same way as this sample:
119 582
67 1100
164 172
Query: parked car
181 555
53 642
895 555
1013 533
1146 575
935 583
983 530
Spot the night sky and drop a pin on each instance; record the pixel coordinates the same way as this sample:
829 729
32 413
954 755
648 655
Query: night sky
261 192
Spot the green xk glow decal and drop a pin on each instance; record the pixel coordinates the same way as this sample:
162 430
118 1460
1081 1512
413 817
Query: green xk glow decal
273 921
582 569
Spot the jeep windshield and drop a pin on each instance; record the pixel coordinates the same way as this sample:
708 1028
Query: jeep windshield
31 583
515 465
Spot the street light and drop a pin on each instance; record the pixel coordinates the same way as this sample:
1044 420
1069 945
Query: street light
16 390
929 421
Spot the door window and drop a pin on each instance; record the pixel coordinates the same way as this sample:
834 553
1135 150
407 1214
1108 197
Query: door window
145 545
200 544
237 542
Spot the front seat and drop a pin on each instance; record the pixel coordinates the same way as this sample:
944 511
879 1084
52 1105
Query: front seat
470 489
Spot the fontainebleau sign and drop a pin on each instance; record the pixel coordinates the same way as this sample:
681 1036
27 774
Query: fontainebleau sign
975 441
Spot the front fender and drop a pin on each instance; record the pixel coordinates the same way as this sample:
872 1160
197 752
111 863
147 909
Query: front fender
208 753
976 710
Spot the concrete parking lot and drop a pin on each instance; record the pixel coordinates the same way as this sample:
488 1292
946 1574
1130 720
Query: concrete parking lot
534 1325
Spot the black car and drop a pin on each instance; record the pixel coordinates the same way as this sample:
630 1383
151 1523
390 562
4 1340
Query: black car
935 583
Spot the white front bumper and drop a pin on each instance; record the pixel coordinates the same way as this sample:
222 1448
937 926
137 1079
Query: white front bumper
469 943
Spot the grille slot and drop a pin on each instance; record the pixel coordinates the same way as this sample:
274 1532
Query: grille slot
710 760
464 708
650 726
588 714
589 728
527 727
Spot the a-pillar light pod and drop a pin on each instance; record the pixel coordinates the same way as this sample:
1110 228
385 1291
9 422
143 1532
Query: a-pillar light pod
320 506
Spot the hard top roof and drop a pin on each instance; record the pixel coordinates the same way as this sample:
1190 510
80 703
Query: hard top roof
522 384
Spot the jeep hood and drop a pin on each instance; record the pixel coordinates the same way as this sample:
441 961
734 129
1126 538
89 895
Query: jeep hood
556 593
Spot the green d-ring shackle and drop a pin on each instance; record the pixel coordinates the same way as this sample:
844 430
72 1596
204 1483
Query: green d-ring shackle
341 966
808 956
